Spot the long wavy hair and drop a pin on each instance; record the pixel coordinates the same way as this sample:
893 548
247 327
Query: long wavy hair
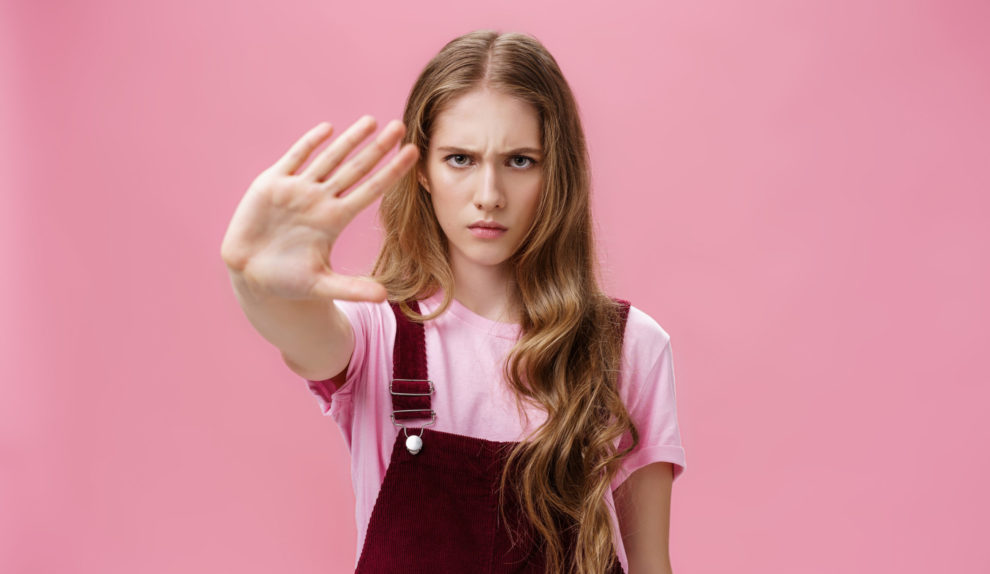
567 358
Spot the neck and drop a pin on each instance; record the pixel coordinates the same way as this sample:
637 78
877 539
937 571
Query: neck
485 290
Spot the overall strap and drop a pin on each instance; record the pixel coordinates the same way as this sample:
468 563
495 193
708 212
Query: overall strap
623 314
410 385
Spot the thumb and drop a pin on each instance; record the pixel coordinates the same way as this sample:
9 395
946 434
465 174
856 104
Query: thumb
349 288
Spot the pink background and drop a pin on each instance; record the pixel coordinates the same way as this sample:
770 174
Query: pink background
797 192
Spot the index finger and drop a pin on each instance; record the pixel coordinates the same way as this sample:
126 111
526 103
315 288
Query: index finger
297 154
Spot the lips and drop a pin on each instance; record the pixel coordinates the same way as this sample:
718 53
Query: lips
487 225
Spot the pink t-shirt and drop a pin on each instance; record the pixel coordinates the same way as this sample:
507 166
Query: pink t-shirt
465 356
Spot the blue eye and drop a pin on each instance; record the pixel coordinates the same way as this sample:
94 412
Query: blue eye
456 163
463 160
530 161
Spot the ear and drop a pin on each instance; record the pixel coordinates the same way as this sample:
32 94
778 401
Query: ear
423 182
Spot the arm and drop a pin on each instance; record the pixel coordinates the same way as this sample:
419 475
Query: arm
314 336
278 243
643 510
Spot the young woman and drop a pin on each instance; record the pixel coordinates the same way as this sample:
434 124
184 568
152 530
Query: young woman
503 414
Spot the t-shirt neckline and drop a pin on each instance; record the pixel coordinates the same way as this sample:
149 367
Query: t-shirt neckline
458 310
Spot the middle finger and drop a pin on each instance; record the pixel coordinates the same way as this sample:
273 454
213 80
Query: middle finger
362 163
328 159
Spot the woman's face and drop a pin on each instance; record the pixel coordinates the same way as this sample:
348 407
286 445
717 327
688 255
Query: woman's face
483 172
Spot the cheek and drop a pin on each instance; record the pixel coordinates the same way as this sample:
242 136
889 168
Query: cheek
444 208
444 182
450 191
450 182
443 195
531 198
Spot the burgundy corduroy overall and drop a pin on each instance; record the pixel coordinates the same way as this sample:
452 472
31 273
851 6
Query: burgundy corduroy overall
437 510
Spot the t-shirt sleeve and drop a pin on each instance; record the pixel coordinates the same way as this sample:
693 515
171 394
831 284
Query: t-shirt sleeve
646 383
332 400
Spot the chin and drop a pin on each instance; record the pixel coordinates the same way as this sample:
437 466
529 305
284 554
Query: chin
487 259
490 261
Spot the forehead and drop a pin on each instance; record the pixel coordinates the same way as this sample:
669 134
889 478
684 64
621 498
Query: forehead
483 118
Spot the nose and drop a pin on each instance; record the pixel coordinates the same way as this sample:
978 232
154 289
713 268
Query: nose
488 195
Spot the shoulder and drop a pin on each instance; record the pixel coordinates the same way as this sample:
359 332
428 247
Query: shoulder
373 325
646 376
365 305
644 339
369 319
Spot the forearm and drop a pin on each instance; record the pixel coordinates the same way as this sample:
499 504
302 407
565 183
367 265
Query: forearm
656 568
643 508
644 561
314 336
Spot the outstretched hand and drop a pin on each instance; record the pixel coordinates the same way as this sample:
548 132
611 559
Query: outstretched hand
281 234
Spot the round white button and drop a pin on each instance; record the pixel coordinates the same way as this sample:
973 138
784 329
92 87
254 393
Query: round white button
414 444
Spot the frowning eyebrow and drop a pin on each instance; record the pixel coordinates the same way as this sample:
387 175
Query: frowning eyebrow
517 151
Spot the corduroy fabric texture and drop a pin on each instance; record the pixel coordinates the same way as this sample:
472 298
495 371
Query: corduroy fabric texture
437 511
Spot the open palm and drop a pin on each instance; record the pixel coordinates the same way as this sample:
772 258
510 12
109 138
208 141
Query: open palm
280 237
